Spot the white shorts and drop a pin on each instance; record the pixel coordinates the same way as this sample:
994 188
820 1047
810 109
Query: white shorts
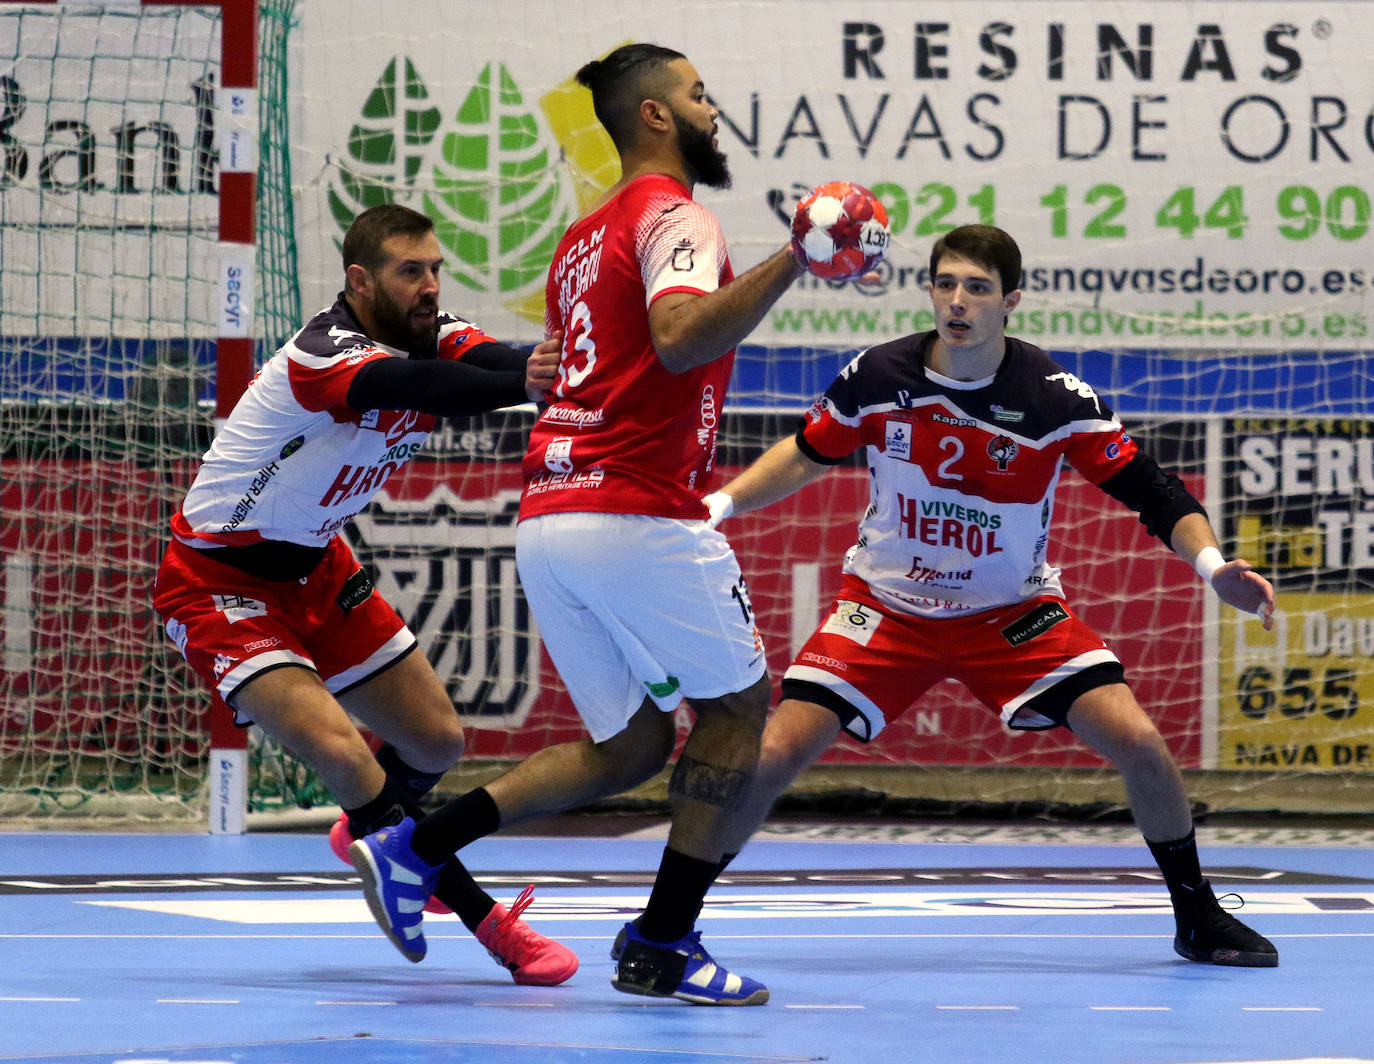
630 606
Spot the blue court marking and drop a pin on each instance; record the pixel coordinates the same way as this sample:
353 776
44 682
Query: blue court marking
1015 972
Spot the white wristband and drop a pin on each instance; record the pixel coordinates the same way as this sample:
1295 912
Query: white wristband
1207 562
720 505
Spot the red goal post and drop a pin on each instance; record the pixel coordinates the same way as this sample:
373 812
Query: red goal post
235 122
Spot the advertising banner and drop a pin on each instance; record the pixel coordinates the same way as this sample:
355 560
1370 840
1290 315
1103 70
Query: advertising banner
1179 174
1301 696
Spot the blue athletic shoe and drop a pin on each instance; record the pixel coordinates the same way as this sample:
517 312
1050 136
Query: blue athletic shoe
681 969
397 885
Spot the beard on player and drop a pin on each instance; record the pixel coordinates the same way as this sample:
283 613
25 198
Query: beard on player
705 163
415 329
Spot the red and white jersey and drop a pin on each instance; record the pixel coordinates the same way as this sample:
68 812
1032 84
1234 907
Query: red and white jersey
622 434
293 461
963 473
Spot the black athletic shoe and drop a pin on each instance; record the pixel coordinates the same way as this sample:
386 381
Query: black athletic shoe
1209 934
681 969
618 946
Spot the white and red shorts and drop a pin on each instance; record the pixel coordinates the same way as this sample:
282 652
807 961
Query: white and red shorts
231 626
631 606
1026 661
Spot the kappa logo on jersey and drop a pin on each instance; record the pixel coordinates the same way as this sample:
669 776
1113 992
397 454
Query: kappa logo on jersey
239 607
897 440
1080 388
447 566
853 620
223 663
1002 449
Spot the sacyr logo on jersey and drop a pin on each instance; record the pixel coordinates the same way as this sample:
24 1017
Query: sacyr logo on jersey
501 176
897 440
853 620
446 564
1002 449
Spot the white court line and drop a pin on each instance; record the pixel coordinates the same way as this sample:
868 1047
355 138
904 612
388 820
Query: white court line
40 1000
1130 1008
979 1008
1279 1008
198 1001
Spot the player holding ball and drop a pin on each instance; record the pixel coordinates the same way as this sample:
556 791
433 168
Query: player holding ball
644 295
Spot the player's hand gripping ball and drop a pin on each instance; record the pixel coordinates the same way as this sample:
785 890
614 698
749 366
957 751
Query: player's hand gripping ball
839 231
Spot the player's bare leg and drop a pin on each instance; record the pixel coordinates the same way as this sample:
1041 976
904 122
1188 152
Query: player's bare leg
796 735
568 775
660 954
292 705
1111 721
406 706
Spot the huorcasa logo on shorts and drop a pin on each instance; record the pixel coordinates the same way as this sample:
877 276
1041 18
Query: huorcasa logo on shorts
1037 622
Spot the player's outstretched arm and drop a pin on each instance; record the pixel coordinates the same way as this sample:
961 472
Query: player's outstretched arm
774 475
1235 582
690 330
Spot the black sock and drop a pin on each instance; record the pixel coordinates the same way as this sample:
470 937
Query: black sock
1178 861
678 895
387 809
459 891
456 887
455 824
415 783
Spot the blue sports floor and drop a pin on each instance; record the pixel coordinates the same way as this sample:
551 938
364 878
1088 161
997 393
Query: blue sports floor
881 942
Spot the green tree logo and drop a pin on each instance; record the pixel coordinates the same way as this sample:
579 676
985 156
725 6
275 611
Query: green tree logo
386 146
497 198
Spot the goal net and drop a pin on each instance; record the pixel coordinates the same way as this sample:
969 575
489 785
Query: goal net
1189 256
113 242
1183 179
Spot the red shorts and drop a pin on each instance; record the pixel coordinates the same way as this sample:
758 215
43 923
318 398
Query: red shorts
231 626
1026 661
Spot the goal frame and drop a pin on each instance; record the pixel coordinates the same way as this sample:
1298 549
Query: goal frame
236 107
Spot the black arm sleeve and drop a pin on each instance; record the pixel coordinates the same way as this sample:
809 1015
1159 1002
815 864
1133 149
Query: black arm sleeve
496 356
443 387
1159 498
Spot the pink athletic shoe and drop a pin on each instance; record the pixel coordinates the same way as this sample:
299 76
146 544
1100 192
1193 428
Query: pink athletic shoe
340 839
532 959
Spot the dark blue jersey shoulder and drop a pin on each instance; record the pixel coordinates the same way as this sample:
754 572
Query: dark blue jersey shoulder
1030 395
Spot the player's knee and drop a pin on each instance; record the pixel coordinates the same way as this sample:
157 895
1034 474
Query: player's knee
446 743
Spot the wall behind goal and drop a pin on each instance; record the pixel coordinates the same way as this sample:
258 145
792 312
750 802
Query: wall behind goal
1189 183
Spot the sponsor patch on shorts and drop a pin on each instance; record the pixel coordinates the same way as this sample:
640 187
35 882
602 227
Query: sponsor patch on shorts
853 620
1037 622
239 607
355 591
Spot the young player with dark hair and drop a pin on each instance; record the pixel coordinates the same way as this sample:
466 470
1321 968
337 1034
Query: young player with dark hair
966 421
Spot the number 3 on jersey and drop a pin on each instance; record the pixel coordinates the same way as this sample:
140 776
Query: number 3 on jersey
570 374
